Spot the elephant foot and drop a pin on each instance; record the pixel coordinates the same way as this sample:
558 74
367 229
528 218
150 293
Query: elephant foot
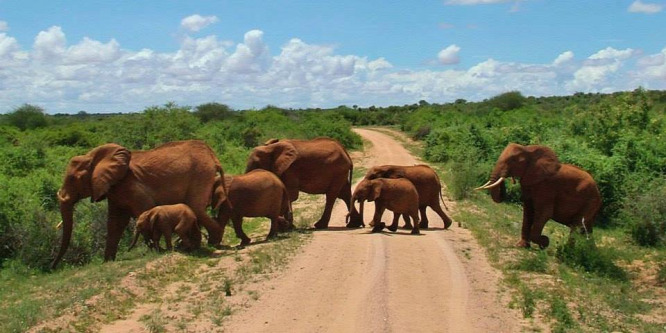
415 231
408 226
321 225
378 227
523 243
392 227
423 225
355 224
244 242
447 224
543 242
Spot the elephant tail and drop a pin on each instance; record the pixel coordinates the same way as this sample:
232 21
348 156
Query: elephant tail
286 207
440 190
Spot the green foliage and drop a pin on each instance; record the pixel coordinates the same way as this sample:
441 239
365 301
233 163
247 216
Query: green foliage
582 253
559 311
507 101
646 215
27 117
213 111
533 261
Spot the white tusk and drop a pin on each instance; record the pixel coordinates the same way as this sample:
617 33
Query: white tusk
59 225
500 180
482 187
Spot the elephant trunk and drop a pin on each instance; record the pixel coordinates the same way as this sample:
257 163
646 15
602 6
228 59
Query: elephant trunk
67 213
136 238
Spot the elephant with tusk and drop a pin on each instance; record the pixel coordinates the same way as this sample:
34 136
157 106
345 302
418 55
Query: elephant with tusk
550 190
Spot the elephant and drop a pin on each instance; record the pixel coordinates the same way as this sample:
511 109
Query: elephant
258 193
134 182
397 195
550 189
427 184
318 166
164 220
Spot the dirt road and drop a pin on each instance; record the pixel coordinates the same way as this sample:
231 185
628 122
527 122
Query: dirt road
354 281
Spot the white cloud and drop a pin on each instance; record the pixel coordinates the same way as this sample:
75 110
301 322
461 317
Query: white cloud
49 44
598 70
563 58
639 6
4 26
449 55
197 22
474 2
103 77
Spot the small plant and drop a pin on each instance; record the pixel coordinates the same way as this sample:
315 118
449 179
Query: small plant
154 322
528 304
559 311
227 286
661 274
533 261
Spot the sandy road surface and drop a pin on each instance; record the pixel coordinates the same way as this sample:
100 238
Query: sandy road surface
354 281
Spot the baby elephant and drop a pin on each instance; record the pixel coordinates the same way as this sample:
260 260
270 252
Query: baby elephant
258 193
397 195
163 220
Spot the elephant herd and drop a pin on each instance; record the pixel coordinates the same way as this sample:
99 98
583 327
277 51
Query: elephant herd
169 189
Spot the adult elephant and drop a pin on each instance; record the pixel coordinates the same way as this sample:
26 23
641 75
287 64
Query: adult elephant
427 184
318 166
550 189
134 182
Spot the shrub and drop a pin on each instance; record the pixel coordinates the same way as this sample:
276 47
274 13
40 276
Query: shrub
212 111
646 215
26 117
507 101
583 253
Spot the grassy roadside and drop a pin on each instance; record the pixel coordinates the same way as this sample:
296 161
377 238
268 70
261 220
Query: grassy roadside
85 298
606 286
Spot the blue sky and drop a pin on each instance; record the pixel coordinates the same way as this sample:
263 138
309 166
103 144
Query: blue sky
122 56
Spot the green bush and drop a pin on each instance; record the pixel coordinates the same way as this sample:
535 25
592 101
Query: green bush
583 253
646 215
27 117
507 101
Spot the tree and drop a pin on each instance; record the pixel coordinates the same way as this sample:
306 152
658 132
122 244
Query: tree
212 111
27 116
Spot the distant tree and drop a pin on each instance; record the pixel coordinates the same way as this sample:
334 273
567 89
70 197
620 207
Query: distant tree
460 101
27 116
423 102
212 111
508 101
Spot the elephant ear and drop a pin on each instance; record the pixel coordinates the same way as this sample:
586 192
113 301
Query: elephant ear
112 164
542 165
285 155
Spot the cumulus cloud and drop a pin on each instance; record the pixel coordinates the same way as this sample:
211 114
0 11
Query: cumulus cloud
449 55
197 22
639 6
49 44
596 71
563 58
4 26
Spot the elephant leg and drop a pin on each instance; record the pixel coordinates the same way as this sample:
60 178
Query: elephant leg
167 240
424 218
442 214
273 232
541 215
182 230
345 195
238 228
408 222
215 231
377 218
396 218
115 226
415 216
528 218
326 217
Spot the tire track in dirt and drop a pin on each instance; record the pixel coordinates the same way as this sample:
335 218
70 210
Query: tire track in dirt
354 281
